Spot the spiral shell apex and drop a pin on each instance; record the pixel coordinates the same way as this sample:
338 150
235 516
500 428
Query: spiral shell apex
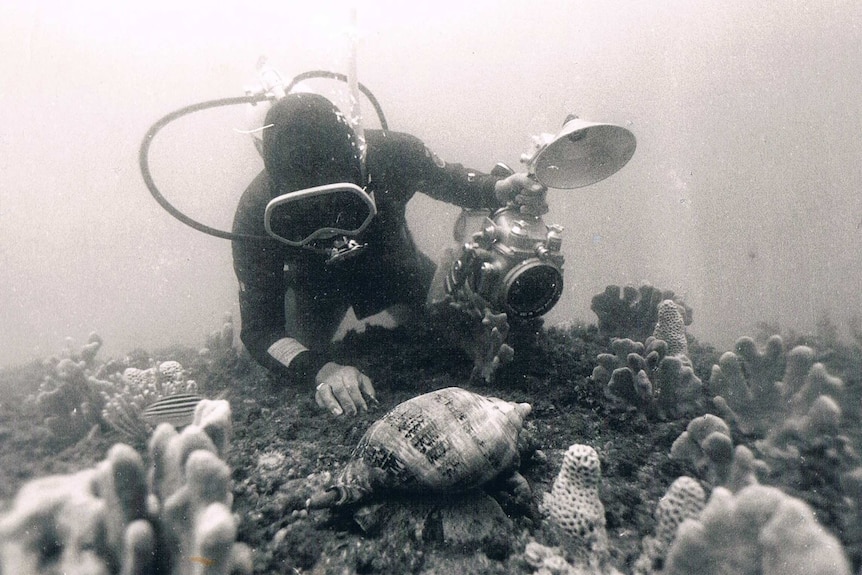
446 441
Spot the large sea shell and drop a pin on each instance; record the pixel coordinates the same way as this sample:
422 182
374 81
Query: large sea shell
446 441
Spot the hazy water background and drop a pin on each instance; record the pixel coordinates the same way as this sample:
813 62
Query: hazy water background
743 195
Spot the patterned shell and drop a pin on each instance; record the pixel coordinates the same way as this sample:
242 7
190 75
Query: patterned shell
448 440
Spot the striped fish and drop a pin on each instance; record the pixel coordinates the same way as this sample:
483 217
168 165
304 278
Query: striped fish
177 409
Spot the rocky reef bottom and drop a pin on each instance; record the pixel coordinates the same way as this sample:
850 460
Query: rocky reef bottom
283 446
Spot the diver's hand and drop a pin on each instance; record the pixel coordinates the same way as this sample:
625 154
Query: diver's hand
340 389
525 192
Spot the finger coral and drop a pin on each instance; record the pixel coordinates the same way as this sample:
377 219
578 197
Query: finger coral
657 376
632 312
74 523
104 520
469 321
220 348
707 445
768 390
574 507
69 401
760 530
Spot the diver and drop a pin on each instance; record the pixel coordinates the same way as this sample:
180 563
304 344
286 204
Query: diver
345 245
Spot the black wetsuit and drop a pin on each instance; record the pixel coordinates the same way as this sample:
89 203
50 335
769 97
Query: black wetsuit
391 270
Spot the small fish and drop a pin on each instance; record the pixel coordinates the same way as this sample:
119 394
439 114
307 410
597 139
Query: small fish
177 409
203 561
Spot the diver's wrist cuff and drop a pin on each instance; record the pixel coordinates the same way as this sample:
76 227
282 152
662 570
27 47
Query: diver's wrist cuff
303 369
299 362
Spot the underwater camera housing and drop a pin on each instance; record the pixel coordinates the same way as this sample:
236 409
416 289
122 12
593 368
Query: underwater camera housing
513 260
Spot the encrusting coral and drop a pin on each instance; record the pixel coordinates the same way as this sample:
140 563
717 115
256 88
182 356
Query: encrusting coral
102 520
632 313
575 510
656 376
769 390
758 531
685 499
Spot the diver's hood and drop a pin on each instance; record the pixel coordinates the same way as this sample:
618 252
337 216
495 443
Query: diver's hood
307 142
313 158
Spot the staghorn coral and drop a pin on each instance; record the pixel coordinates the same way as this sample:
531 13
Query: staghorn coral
758 531
632 313
707 445
657 376
127 396
102 520
685 499
768 390
575 510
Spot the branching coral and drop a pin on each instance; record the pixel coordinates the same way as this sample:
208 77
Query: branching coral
468 320
657 376
762 390
707 445
69 400
758 531
634 313
102 520
220 343
126 397
73 523
574 507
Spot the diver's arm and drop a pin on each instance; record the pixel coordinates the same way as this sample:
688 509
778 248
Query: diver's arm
453 183
259 268
424 171
264 336
340 389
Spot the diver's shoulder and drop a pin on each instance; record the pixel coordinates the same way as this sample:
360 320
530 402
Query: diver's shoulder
390 140
248 217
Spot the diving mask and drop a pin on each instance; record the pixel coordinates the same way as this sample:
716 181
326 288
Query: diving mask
323 218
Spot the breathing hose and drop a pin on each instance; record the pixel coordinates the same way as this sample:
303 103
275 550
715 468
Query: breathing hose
144 152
